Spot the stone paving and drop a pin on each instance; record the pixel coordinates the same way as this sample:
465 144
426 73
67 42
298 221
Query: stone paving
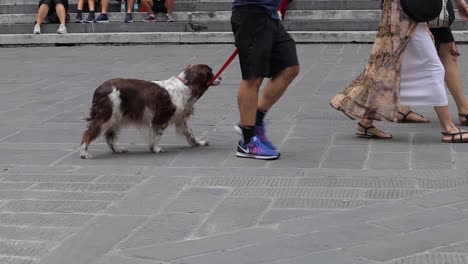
331 198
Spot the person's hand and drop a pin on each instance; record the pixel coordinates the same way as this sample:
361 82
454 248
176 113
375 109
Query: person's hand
462 9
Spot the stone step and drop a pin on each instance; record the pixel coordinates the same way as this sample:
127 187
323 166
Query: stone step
214 26
208 16
186 38
30 6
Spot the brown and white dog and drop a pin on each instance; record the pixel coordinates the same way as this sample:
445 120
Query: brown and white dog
152 105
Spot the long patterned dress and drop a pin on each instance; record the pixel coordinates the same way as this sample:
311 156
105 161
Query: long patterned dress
375 93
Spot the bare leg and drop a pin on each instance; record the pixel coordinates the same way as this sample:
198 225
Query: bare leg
42 13
247 100
91 5
104 6
169 6
149 6
79 4
130 5
452 76
61 13
275 87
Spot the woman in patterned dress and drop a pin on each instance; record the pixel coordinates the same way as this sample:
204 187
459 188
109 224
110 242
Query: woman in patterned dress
403 69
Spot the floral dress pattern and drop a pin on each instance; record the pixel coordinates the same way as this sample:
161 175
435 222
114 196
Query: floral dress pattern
375 93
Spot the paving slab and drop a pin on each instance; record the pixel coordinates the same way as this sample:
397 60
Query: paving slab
331 198
193 247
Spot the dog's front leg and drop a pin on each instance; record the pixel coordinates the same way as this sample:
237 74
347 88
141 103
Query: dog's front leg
183 128
154 138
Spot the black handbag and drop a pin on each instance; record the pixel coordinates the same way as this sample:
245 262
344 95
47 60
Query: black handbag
422 10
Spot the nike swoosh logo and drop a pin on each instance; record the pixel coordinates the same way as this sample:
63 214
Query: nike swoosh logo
246 150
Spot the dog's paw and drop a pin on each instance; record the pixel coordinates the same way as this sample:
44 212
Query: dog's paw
85 155
120 149
200 143
203 143
157 149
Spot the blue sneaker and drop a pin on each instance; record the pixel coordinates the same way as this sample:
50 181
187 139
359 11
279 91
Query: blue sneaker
260 132
256 150
102 18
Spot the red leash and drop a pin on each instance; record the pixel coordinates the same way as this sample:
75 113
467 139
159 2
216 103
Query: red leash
226 64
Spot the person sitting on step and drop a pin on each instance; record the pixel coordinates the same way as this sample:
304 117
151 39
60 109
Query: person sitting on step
104 18
158 6
55 11
79 11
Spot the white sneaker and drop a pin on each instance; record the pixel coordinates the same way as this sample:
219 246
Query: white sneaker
169 18
62 29
37 29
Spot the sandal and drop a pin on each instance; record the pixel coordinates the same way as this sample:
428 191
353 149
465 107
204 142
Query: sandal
465 116
454 135
367 134
405 119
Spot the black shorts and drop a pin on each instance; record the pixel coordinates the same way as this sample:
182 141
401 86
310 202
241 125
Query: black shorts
265 47
159 6
51 4
444 35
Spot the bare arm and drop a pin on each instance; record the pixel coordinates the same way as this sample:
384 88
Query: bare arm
462 9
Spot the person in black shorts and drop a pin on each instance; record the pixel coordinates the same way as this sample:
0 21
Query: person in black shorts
266 50
158 6
448 54
55 11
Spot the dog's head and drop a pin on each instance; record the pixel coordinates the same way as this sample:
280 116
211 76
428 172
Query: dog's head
198 78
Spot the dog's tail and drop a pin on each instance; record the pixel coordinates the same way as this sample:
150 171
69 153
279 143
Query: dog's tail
86 119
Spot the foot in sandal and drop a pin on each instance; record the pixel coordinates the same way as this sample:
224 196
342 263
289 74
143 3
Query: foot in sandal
371 132
457 136
463 119
411 117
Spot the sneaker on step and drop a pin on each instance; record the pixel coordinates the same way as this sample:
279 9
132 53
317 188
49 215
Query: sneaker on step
128 18
79 18
260 132
62 29
37 29
90 18
170 18
102 18
150 18
256 150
